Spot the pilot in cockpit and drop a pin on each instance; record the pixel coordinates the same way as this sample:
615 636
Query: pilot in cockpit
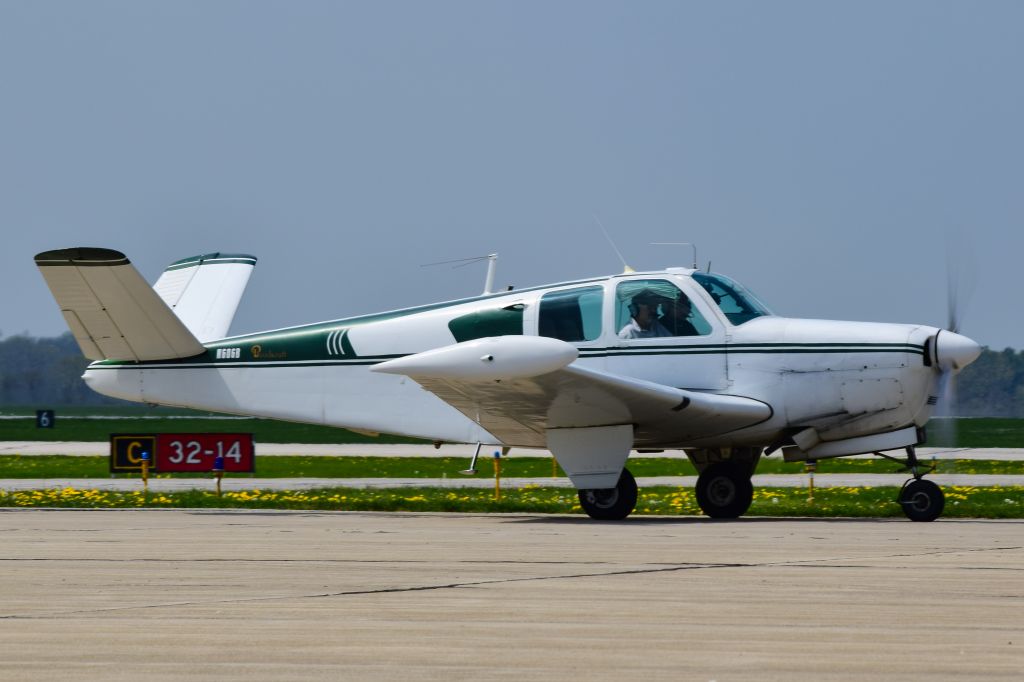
643 323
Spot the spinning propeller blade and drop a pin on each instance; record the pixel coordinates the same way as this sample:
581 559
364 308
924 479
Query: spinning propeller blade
953 352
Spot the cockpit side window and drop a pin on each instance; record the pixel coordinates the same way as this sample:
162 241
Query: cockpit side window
573 315
650 308
737 303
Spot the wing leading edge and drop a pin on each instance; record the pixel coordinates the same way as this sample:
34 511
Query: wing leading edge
526 392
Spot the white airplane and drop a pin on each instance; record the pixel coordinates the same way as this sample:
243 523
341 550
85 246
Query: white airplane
589 369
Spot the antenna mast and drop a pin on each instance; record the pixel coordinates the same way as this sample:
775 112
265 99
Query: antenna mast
690 244
625 266
492 263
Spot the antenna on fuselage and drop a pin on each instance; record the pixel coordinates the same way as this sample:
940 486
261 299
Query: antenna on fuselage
690 244
625 266
492 266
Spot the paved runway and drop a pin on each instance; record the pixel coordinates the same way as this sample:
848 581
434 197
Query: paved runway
160 594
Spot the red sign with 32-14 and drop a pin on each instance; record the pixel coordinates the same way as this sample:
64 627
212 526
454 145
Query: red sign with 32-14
199 451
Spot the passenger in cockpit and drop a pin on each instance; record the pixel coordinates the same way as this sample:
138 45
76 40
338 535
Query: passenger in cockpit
676 316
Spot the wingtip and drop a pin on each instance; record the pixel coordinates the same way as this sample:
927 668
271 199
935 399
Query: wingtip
81 255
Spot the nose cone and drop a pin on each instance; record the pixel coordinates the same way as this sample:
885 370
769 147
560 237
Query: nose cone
953 351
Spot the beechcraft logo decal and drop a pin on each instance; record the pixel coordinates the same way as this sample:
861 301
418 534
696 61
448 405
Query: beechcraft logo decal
260 353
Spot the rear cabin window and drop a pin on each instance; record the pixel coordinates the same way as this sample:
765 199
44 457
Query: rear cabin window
738 304
572 315
506 321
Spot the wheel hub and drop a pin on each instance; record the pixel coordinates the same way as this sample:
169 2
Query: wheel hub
721 491
603 499
919 502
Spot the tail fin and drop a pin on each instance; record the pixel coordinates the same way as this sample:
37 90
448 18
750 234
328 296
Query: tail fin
204 291
112 311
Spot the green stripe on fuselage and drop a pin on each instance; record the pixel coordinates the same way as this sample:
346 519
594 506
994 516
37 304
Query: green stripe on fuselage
313 353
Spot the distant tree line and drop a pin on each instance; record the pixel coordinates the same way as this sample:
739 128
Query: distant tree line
992 386
45 372
48 372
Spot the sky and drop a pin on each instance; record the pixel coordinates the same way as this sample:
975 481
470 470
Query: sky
840 159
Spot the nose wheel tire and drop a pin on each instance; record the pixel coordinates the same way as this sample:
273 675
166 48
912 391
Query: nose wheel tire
922 500
724 491
611 504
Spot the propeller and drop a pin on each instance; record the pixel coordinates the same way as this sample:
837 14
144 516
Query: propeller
951 350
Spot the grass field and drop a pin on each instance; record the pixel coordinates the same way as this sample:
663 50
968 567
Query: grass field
96 424
284 466
961 502
81 424
93 425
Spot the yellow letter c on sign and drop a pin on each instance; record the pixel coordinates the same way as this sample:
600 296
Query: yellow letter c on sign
132 457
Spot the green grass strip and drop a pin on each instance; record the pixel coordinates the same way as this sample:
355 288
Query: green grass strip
961 501
80 428
72 425
289 466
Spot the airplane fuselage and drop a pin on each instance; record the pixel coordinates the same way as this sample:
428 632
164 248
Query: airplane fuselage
841 379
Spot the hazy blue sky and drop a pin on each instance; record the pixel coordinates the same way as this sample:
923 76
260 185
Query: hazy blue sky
823 153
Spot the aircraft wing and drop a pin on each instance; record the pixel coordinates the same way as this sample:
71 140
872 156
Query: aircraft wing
522 388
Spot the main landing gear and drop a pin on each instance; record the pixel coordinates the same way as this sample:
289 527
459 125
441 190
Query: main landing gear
724 490
611 504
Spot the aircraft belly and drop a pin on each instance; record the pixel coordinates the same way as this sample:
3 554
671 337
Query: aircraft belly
290 393
356 397
336 396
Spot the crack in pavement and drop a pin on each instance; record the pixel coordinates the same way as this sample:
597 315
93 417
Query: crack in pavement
798 563
382 590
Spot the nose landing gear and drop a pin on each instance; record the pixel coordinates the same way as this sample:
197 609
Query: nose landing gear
921 500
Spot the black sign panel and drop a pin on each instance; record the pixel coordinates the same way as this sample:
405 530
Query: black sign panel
127 451
45 419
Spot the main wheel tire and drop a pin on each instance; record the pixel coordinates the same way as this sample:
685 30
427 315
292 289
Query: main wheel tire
724 491
611 504
922 500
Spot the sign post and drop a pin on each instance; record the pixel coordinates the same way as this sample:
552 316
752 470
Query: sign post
218 471
497 475
145 471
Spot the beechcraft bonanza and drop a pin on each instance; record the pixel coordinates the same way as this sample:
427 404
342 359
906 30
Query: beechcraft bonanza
590 370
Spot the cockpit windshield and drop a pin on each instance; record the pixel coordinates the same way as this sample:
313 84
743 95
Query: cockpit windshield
738 303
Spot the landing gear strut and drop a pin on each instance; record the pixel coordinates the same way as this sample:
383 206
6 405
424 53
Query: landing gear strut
921 500
611 504
724 490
